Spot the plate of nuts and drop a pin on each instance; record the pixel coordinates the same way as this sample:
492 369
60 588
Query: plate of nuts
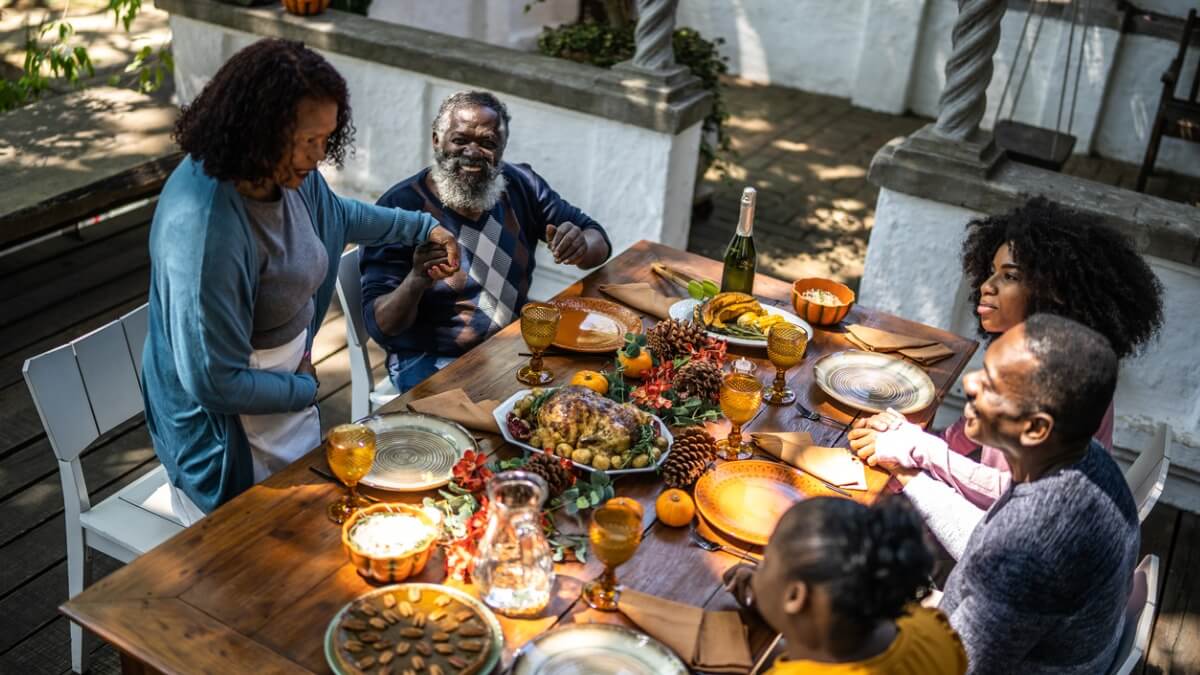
425 629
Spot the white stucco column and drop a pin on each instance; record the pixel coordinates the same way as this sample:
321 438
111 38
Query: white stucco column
886 56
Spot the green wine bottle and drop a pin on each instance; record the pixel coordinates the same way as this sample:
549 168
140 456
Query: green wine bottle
740 257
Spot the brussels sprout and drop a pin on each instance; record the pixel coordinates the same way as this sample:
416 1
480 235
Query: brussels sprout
581 456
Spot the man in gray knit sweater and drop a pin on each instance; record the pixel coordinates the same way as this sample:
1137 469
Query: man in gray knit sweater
1042 584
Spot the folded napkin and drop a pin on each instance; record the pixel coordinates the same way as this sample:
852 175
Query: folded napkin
642 297
922 350
836 466
714 642
456 406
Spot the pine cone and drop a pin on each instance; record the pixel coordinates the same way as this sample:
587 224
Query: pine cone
690 455
698 378
671 338
557 476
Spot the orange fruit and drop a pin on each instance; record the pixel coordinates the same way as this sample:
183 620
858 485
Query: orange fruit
675 507
636 366
592 380
627 503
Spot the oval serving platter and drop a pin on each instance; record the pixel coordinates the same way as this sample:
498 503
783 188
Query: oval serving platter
506 406
414 451
593 325
874 382
684 311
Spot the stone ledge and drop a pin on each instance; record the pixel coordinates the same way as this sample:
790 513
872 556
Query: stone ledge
1161 228
611 94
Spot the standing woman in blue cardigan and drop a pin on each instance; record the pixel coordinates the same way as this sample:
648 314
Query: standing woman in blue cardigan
244 250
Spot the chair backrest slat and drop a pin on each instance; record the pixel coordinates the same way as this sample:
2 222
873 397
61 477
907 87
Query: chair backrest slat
350 293
137 325
1145 476
110 376
1188 27
61 399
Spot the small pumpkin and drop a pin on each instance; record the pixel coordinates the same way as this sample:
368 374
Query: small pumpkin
306 7
591 379
627 503
675 508
634 358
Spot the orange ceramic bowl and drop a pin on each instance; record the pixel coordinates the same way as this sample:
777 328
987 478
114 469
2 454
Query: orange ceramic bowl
390 570
306 7
817 313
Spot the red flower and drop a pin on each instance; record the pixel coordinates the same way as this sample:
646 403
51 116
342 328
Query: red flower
471 472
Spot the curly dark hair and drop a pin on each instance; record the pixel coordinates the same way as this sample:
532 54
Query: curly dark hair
1073 266
241 124
874 560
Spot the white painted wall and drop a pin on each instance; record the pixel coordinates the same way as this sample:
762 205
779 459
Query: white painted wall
499 22
913 270
636 182
890 55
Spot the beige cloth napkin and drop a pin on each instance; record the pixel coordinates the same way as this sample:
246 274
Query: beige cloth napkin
835 466
642 297
714 642
456 406
922 350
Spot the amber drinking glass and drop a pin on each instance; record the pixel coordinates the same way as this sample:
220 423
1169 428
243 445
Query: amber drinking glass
539 324
350 450
741 397
613 535
785 348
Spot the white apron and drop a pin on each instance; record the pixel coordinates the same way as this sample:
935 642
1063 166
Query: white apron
276 440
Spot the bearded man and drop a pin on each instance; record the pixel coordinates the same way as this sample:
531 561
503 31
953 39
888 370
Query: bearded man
498 212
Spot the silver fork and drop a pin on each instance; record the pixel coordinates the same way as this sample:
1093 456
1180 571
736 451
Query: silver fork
712 546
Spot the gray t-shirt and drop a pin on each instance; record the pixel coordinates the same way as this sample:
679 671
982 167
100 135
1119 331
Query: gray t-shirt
292 263
1042 585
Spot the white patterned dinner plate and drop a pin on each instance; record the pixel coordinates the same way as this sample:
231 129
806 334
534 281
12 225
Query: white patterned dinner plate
414 451
684 310
874 382
596 649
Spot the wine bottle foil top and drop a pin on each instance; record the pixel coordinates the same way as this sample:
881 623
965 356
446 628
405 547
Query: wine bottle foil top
749 195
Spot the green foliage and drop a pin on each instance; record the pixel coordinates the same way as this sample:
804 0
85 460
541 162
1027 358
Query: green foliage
50 47
606 45
583 495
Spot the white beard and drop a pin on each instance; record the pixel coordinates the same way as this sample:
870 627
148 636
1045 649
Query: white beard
462 196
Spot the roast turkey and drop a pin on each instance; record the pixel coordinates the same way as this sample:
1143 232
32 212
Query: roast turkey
582 418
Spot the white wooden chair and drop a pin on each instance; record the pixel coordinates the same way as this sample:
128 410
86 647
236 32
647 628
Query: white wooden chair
366 395
1139 618
1148 473
83 390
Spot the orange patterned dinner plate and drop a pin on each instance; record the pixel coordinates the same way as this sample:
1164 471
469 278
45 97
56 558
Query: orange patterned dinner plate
746 499
593 325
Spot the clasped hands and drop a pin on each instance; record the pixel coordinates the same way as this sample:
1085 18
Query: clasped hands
886 440
438 257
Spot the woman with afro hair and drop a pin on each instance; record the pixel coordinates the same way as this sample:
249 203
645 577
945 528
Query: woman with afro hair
244 251
1038 258
841 582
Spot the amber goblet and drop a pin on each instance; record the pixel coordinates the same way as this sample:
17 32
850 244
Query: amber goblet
741 397
785 348
614 534
350 450
539 325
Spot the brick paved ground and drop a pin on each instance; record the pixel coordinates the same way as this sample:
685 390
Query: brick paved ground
807 155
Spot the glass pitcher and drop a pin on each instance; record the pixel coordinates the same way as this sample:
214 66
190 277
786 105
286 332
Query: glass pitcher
514 569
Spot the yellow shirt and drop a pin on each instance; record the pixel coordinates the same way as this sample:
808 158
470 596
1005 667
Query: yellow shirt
924 645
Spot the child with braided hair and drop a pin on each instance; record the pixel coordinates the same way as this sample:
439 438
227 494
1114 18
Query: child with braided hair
841 582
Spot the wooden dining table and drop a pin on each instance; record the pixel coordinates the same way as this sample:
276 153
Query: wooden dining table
252 587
